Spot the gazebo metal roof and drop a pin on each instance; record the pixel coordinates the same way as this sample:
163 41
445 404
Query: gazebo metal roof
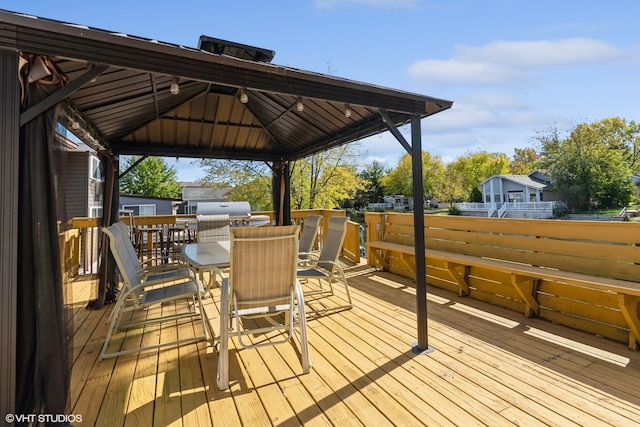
118 96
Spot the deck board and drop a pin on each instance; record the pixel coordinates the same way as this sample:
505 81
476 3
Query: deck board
490 366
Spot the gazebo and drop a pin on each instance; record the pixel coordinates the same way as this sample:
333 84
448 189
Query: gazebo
125 95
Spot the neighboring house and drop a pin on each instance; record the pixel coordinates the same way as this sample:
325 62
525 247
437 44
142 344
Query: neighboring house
397 203
192 193
85 181
84 184
142 205
534 187
514 196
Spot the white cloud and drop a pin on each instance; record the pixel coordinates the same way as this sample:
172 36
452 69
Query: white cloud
543 53
501 62
462 71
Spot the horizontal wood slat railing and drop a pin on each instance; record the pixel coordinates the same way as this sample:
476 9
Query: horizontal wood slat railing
581 274
81 237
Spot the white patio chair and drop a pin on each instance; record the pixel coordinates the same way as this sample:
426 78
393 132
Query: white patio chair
262 287
213 228
149 274
308 234
318 270
140 294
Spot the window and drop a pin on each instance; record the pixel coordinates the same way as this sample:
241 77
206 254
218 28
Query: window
97 171
515 196
141 209
95 212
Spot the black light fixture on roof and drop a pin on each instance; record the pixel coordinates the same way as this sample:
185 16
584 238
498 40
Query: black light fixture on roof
244 98
300 105
237 50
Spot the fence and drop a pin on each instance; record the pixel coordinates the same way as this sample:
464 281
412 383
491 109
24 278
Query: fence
80 240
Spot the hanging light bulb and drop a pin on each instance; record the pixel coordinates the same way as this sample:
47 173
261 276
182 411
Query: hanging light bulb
175 87
300 105
347 111
244 98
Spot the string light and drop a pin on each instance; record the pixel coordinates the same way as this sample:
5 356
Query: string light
244 98
175 87
347 111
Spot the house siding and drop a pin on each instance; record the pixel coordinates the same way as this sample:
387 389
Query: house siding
163 206
76 192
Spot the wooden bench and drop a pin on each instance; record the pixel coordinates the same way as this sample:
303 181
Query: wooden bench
527 256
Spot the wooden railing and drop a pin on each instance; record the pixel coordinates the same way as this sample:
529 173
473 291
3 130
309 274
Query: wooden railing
81 237
582 274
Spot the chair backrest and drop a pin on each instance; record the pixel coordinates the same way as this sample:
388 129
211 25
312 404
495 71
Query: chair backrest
333 240
309 233
118 245
127 245
264 263
213 228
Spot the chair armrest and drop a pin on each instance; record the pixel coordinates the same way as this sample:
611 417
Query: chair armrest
167 276
308 255
307 259
313 264
162 266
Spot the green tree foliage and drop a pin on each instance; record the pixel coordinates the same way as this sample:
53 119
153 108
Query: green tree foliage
399 179
372 192
524 161
617 134
325 179
318 181
467 172
152 178
590 168
453 188
240 180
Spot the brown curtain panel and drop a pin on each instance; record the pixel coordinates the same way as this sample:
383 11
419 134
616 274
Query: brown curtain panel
42 368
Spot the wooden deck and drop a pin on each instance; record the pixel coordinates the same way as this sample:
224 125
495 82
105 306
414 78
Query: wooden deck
490 366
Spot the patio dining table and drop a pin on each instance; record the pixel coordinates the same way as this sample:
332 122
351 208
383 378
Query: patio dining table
208 257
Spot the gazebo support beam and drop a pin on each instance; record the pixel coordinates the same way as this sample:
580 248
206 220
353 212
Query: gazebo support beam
415 150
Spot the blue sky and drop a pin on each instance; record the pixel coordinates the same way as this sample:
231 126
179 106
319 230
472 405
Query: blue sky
513 68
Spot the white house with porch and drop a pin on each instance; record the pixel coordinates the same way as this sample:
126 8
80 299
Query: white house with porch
514 196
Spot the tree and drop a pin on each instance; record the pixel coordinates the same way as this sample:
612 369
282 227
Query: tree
372 192
241 180
587 169
468 171
399 179
324 179
453 188
617 134
319 181
524 161
152 177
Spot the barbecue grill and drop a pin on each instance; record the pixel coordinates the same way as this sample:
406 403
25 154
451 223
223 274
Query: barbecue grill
239 213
